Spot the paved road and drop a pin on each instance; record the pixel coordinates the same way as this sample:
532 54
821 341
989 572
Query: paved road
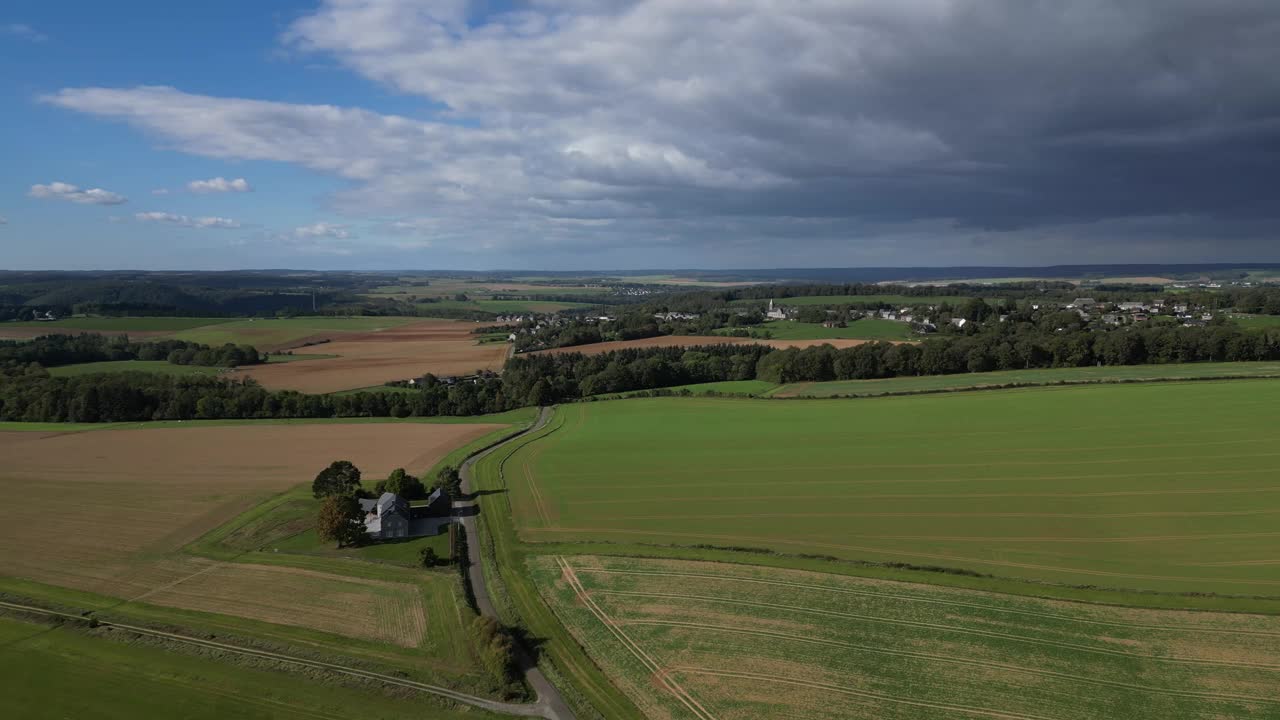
550 703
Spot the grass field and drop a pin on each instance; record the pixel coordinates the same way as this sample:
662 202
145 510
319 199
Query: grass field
708 640
270 334
506 306
853 299
57 673
1165 487
864 329
150 366
1259 322
1042 376
121 324
725 387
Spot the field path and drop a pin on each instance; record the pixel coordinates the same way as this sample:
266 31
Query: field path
550 703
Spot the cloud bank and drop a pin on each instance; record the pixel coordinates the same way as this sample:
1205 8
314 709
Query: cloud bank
219 185
881 131
185 221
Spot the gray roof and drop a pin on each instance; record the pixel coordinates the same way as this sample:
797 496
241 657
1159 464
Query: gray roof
390 503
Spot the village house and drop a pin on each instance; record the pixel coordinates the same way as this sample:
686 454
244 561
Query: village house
387 517
1082 303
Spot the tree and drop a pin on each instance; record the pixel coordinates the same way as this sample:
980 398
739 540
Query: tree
340 520
404 485
429 558
340 478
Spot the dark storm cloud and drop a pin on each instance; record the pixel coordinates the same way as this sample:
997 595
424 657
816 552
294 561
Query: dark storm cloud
945 126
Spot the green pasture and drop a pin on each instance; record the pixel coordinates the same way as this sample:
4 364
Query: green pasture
832 647
724 387
60 672
854 299
1039 376
1166 487
505 306
1257 322
863 329
122 324
264 333
118 366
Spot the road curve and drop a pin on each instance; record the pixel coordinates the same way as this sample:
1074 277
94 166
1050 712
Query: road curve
550 703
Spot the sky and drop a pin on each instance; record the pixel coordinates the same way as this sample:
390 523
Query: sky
619 134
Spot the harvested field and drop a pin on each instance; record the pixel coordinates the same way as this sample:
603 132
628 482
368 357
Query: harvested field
693 340
706 640
440 347
1166 487
105 511
284 333
371 609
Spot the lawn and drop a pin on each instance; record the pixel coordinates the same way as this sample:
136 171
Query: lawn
863 329
118 366
56 673
1165 487
710 640
1040 376
122 324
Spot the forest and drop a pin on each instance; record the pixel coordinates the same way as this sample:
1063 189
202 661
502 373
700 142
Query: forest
57 350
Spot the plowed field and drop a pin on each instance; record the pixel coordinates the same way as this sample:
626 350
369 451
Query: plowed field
439 347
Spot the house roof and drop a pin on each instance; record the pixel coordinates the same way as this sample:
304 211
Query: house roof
390 503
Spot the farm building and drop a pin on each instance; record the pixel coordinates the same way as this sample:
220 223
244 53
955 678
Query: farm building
387 517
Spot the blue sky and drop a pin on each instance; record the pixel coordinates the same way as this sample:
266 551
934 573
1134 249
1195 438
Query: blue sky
574 134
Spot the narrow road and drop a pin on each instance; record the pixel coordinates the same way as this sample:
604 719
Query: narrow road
550 703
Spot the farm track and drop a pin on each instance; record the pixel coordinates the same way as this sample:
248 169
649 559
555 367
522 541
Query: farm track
934 601
663 676
517 709
947 628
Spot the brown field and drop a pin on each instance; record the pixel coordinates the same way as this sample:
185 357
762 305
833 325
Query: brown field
357 607
691 340
107 511
440 347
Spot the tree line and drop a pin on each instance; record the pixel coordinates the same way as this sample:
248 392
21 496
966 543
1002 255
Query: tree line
58 350
28 393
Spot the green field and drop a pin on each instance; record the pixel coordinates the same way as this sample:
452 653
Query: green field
701 640
1040 376
266 333
864 329
1166 487
1257 322
505 306
853 299
118 366
58 673
122 324
725 387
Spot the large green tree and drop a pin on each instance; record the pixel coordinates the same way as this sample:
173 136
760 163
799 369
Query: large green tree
403 484
340 478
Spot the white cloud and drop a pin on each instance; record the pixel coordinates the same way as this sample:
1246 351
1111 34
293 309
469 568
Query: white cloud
23 30
185 221
322 230
219 185
72 193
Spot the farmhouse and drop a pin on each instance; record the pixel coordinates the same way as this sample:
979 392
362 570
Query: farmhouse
387 517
